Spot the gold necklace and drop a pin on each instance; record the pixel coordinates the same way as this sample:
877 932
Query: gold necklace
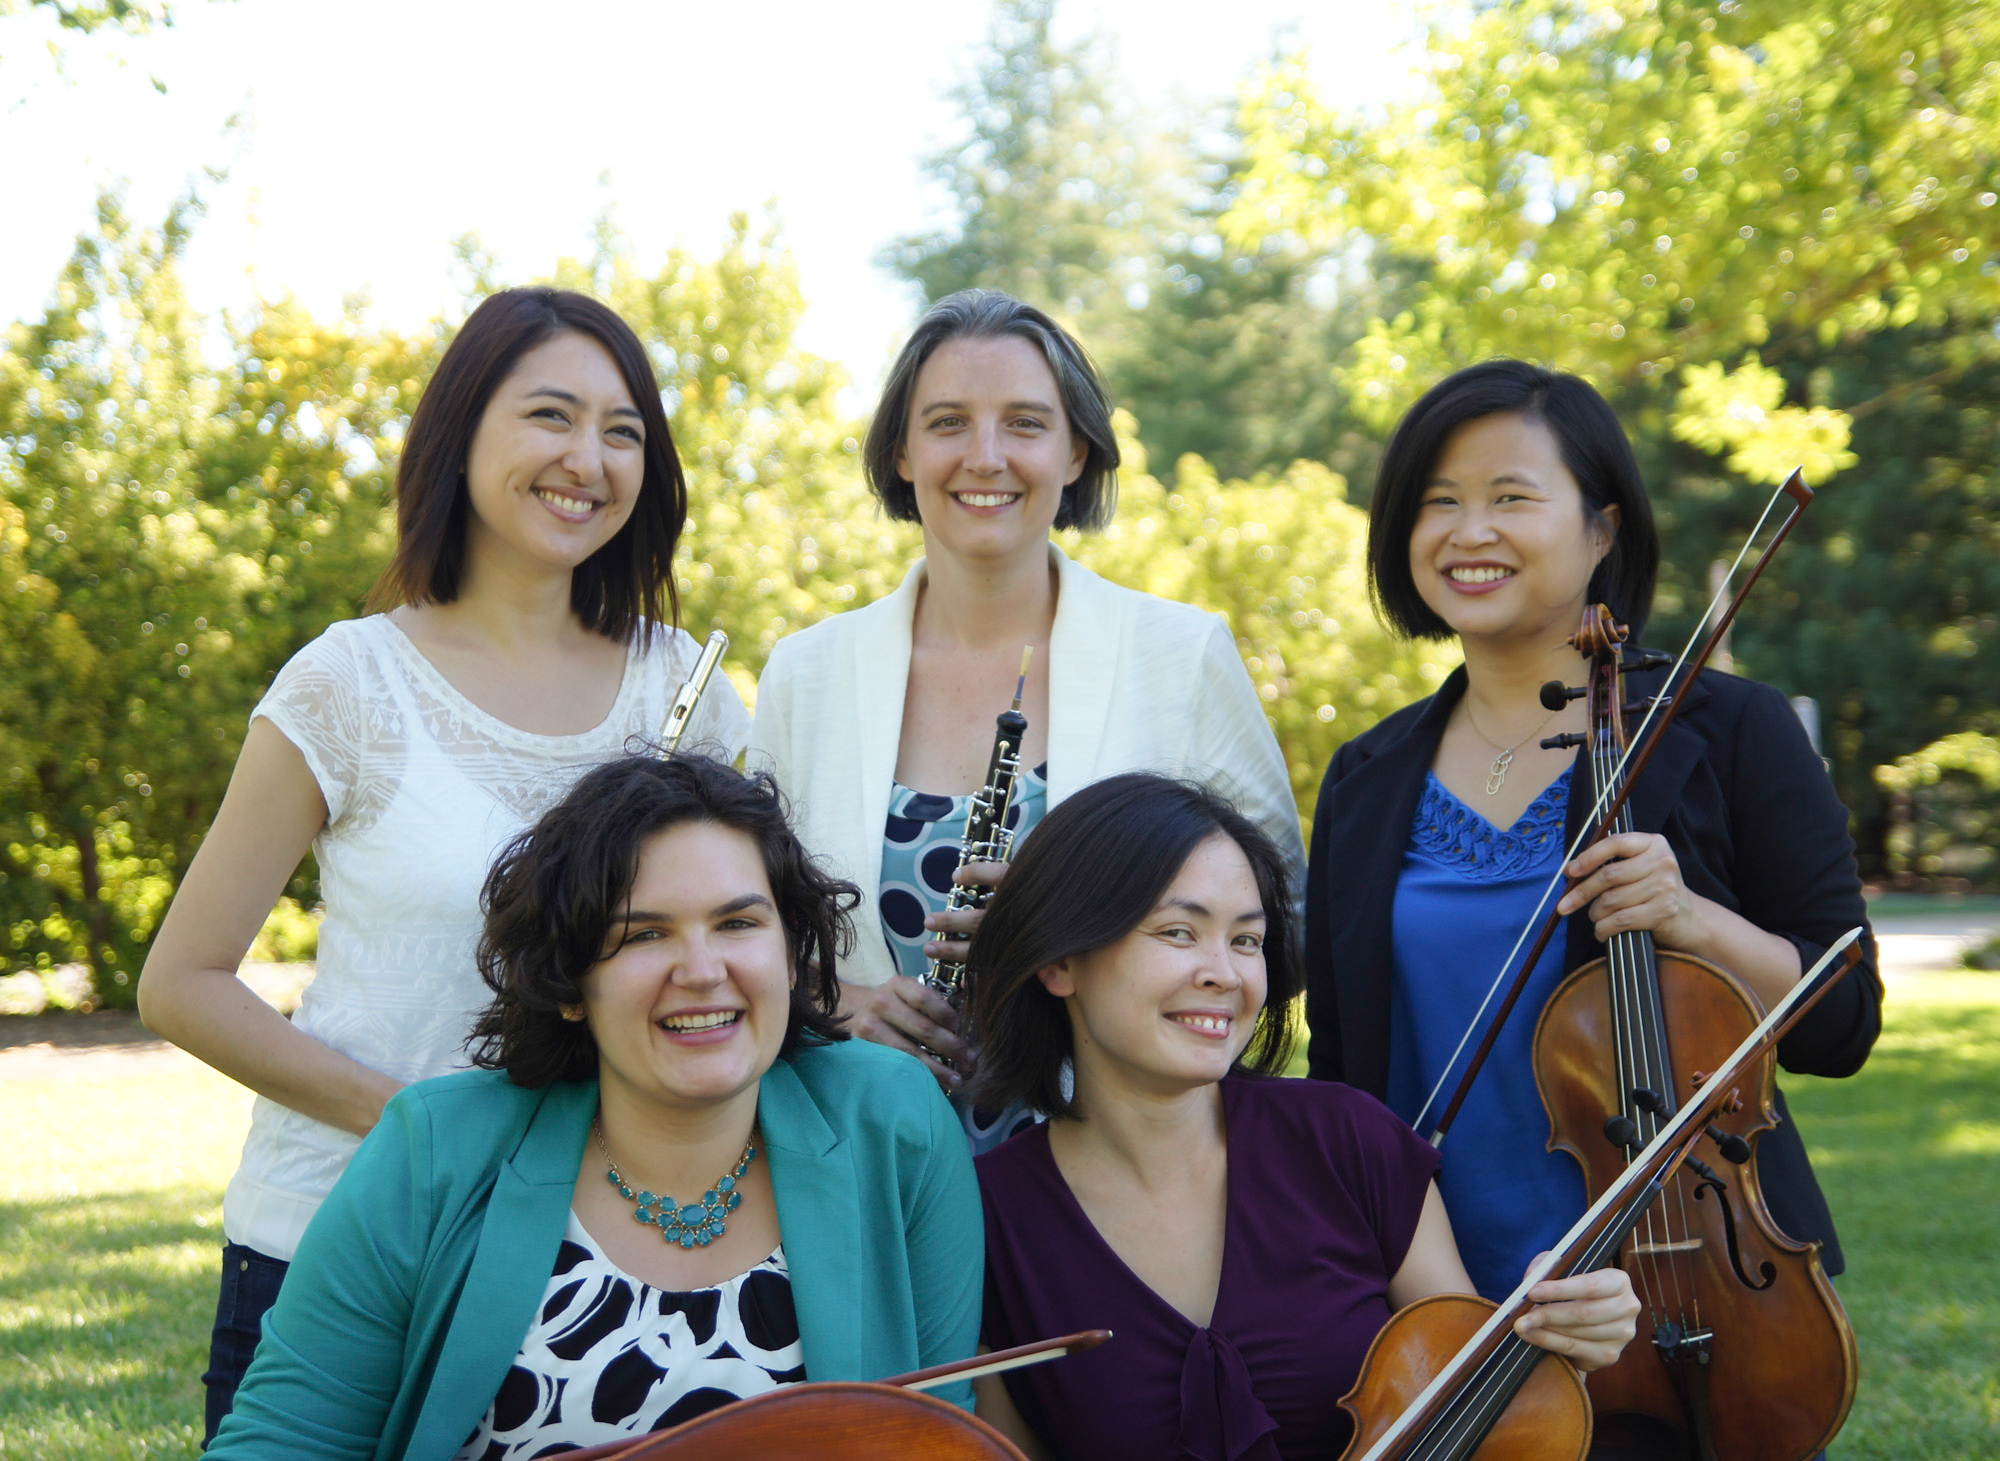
1496 774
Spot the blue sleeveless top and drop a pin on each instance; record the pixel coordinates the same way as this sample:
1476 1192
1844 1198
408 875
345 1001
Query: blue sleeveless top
1467 889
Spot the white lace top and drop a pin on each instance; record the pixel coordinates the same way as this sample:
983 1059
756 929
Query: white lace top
422 788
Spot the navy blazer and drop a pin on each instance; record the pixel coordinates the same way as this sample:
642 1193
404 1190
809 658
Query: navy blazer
1749 811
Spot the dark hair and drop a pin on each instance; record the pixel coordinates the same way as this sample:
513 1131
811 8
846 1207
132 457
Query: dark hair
622 589
1593 447
984 314
1086 876
555 890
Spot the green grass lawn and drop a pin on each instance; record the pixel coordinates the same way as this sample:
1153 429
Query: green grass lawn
1909 1154
111 1220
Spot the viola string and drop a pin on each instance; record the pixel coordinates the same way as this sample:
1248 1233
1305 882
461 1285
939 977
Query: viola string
1600 802
1632 1063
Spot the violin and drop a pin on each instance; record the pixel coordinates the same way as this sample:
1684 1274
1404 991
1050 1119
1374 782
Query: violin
1743 1347
1448 1379
850 1420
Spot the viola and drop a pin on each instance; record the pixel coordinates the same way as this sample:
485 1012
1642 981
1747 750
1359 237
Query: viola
841 1420
1448 1379
1743 1347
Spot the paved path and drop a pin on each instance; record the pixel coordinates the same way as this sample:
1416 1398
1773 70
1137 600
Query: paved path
113 1042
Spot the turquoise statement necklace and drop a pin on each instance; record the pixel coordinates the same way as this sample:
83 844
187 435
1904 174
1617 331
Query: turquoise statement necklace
692 1224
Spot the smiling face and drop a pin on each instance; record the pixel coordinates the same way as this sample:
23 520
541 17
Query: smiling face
1503 546
989 449
557 460
1173 1004
690 1002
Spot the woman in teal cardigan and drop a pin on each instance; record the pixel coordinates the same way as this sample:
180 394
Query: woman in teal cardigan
663 956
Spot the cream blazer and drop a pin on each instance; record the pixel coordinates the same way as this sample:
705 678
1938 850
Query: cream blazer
1136 683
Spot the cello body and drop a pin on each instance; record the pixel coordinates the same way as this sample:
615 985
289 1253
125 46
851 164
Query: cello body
828 1421
1781 1368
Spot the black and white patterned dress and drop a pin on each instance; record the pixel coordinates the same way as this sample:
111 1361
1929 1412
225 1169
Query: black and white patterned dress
610 1358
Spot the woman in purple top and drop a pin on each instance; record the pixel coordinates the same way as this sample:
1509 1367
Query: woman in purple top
1243 1237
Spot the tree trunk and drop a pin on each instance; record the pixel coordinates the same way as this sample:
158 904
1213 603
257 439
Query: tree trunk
95 914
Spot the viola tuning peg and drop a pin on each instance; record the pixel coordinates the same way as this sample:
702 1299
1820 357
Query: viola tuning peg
1622 1132
1733 1147
1562 742
1648 1099
1641 707
1648 659
1555 694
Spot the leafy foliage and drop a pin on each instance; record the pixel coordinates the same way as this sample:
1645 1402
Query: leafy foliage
1631 188
159 530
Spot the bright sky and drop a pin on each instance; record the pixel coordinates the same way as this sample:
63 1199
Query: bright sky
371 133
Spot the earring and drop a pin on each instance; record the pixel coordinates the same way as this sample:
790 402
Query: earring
571 1012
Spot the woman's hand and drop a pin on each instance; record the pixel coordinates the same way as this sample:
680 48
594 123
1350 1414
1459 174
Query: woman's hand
905 1015
1631 881
1588 1318
962 924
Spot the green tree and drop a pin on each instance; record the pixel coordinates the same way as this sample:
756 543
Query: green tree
1660 189
1285 557
132 16
1054 192
161 522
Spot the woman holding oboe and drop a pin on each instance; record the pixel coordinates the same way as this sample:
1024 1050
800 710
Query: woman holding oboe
992 430
528 637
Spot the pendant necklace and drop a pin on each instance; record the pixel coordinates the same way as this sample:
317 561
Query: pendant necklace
693 1224
1496 774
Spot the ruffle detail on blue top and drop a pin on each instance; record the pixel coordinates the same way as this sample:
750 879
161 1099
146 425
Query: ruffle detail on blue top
1449 832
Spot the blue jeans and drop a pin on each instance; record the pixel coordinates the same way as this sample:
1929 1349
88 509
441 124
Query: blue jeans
250 1282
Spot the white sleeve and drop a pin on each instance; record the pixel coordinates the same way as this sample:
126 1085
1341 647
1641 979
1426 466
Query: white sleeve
770 747
317 704
1234 743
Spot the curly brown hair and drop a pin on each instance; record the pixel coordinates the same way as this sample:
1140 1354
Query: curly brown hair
556 890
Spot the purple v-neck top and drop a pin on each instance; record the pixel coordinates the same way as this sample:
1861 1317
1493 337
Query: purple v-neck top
1325 1188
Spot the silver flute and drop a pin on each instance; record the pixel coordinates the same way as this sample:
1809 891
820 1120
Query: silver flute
689 695
988 838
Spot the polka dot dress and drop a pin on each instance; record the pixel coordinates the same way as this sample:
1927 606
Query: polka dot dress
920 848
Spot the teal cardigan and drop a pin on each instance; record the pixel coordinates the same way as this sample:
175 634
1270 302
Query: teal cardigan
418 1278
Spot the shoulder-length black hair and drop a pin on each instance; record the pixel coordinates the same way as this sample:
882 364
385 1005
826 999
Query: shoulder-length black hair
556 890
984 314
1593 447
1090 872
622 589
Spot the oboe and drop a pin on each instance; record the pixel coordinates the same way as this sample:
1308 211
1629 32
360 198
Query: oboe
988 838
689 694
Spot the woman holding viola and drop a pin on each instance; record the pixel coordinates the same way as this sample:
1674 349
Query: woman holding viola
1509 499
1243 1237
